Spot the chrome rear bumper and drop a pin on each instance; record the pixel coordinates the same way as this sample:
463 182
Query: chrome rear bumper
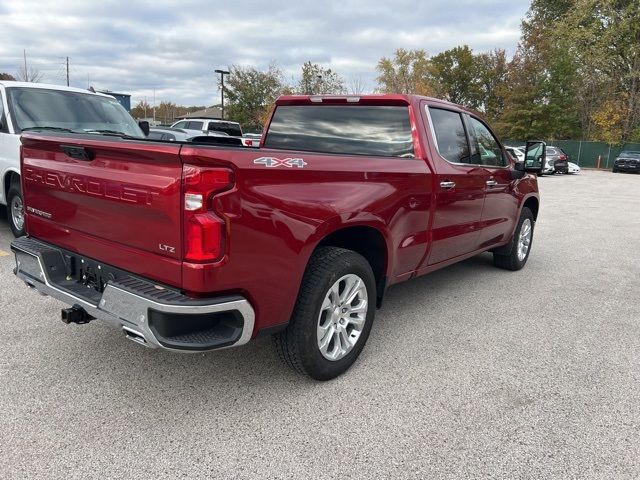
149 314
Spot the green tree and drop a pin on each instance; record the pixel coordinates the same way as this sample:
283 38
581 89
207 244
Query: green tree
604 38
409 72
316 80
251 94
491 72
542 79
455 77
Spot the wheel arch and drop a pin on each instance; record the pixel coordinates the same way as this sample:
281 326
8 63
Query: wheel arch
10 176
533 204
369 242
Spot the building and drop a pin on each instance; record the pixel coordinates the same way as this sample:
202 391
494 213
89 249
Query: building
213 113
124 99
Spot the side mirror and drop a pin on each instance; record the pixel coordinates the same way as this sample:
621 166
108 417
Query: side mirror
518 170
535 155
144 126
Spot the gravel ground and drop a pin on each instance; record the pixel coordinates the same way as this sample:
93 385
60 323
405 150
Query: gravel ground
470 372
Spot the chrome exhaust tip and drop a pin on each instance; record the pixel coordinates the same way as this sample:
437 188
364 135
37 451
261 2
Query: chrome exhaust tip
134 336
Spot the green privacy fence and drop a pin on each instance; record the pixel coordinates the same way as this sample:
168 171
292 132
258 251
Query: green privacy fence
586 154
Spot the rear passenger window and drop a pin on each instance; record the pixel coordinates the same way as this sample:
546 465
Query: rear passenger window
195 126
451 136
489 148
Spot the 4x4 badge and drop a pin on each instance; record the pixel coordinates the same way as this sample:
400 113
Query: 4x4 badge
273 162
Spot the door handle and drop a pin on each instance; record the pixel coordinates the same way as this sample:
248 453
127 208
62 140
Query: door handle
447 185
491 183
77 152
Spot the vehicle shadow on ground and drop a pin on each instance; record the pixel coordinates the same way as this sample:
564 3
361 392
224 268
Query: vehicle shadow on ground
5 231
96 346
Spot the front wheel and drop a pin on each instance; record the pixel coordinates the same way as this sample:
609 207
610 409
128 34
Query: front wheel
333 315
515 254
15 210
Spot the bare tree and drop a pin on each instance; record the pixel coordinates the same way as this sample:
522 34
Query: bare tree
28 74
356 85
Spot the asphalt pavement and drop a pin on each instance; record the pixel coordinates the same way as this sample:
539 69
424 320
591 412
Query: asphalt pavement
470 372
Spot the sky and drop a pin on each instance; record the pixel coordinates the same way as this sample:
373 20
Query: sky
173 48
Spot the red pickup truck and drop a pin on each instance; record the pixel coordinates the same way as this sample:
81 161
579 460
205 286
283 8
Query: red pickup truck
192 247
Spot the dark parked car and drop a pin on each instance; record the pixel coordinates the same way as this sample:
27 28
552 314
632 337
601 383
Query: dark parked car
558 159
627 161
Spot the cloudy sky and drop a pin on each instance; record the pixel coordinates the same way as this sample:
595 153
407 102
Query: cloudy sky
173 47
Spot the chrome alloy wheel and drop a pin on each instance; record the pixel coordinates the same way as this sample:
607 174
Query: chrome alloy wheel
342 317
17 212
524 241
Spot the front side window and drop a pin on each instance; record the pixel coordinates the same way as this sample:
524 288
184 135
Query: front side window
182 124
34 108
382 131
489 149
450 135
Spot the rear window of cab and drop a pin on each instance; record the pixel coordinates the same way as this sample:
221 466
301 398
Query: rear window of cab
379 131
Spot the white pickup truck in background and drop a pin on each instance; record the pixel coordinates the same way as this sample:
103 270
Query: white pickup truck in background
208 126
38 106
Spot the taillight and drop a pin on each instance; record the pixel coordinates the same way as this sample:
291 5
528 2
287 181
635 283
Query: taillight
204 229
562 157
248 142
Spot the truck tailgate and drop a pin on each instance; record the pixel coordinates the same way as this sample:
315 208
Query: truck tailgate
116 201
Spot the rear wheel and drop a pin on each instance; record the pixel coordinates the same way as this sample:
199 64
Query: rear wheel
332 317
15 210
515 254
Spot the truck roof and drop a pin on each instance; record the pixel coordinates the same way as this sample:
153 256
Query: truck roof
205 119
12 83
370 99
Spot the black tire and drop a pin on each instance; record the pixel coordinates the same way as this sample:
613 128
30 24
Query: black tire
613 170
15 194
297 345
507 256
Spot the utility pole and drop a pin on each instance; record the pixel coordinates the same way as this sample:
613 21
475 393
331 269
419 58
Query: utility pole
67 71
222 74
26 75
